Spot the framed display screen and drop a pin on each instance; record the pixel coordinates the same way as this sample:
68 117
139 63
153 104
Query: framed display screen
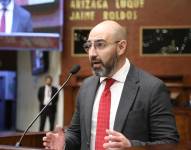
165 41
79 37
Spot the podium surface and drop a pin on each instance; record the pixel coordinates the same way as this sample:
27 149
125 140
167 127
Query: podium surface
31 141
9 147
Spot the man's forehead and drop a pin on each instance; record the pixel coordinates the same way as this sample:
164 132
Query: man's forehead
96 40
97 36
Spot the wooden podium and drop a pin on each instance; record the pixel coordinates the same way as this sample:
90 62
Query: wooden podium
31 141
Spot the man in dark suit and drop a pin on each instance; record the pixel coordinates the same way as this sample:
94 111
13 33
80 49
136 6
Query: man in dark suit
44 95
17 19
140 110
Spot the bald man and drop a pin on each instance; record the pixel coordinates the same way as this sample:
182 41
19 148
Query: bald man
140 109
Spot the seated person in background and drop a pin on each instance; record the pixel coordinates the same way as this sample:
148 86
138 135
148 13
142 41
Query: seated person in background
120 105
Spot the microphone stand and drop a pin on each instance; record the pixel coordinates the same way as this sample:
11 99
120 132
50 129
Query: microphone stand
42 110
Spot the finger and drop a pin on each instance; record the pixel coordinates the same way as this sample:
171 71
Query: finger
120 145
111 138
46 144
47 138
110 145
44 138
112 132
48 148
49 134
59 130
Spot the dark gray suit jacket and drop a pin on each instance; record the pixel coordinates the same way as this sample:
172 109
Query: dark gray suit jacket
144 113
22 21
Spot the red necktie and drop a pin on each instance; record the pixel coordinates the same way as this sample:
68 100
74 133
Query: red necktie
2 27
103 117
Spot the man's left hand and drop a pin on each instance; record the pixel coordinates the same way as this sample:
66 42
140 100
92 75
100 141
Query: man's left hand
116 141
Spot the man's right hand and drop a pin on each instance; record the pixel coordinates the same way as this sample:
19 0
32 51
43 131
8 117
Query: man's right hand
55 140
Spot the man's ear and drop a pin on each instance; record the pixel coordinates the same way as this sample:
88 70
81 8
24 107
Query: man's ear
122 47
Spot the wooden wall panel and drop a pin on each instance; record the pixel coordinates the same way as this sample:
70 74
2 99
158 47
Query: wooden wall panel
168 13
154 13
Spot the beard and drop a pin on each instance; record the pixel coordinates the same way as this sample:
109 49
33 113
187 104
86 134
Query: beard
105 69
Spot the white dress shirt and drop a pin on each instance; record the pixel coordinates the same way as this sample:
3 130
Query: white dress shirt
47 94
8 16
116 90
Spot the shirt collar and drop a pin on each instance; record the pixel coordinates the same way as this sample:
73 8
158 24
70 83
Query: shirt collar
121 74
10 6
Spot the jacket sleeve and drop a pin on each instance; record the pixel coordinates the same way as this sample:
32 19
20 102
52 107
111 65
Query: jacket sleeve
73 135
161 119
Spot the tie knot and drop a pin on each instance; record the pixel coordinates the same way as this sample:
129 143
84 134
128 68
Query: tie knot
109 83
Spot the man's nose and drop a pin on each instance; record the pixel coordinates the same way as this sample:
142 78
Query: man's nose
92 51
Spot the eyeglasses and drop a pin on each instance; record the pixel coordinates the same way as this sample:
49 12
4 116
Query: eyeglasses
98 44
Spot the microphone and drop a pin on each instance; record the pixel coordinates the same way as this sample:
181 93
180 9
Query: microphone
73 70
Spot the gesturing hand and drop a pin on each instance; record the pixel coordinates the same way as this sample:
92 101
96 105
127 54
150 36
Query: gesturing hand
116 141
54 140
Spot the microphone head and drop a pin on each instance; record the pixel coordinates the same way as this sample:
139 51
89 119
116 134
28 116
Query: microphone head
75 69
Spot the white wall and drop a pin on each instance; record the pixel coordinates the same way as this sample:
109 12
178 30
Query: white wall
27 86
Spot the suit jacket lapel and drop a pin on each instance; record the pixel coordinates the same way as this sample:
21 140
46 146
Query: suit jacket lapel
129 92
90 97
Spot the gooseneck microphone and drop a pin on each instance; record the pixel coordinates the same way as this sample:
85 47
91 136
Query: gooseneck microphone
73 70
